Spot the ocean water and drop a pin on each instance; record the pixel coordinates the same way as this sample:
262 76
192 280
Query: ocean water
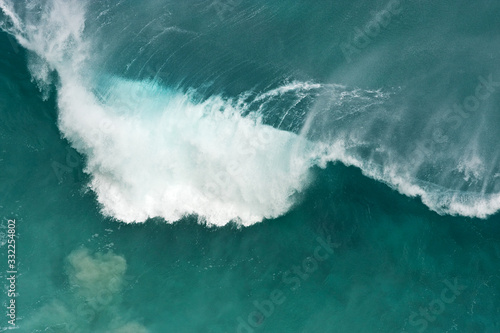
250 166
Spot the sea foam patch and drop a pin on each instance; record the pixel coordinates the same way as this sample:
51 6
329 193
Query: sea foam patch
154 152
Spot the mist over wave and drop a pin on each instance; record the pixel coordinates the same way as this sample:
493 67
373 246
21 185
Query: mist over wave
171 127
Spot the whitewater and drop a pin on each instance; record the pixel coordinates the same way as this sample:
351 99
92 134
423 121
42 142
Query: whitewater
169 151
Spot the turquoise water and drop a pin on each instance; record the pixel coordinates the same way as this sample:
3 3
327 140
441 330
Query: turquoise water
246 166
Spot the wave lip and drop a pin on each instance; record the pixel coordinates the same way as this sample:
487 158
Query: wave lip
399 176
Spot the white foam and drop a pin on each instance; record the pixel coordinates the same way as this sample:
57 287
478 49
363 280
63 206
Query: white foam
472 167
160 153
442 200
157 152
295 86
6 6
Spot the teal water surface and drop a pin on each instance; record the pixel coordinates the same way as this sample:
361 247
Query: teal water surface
338 240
